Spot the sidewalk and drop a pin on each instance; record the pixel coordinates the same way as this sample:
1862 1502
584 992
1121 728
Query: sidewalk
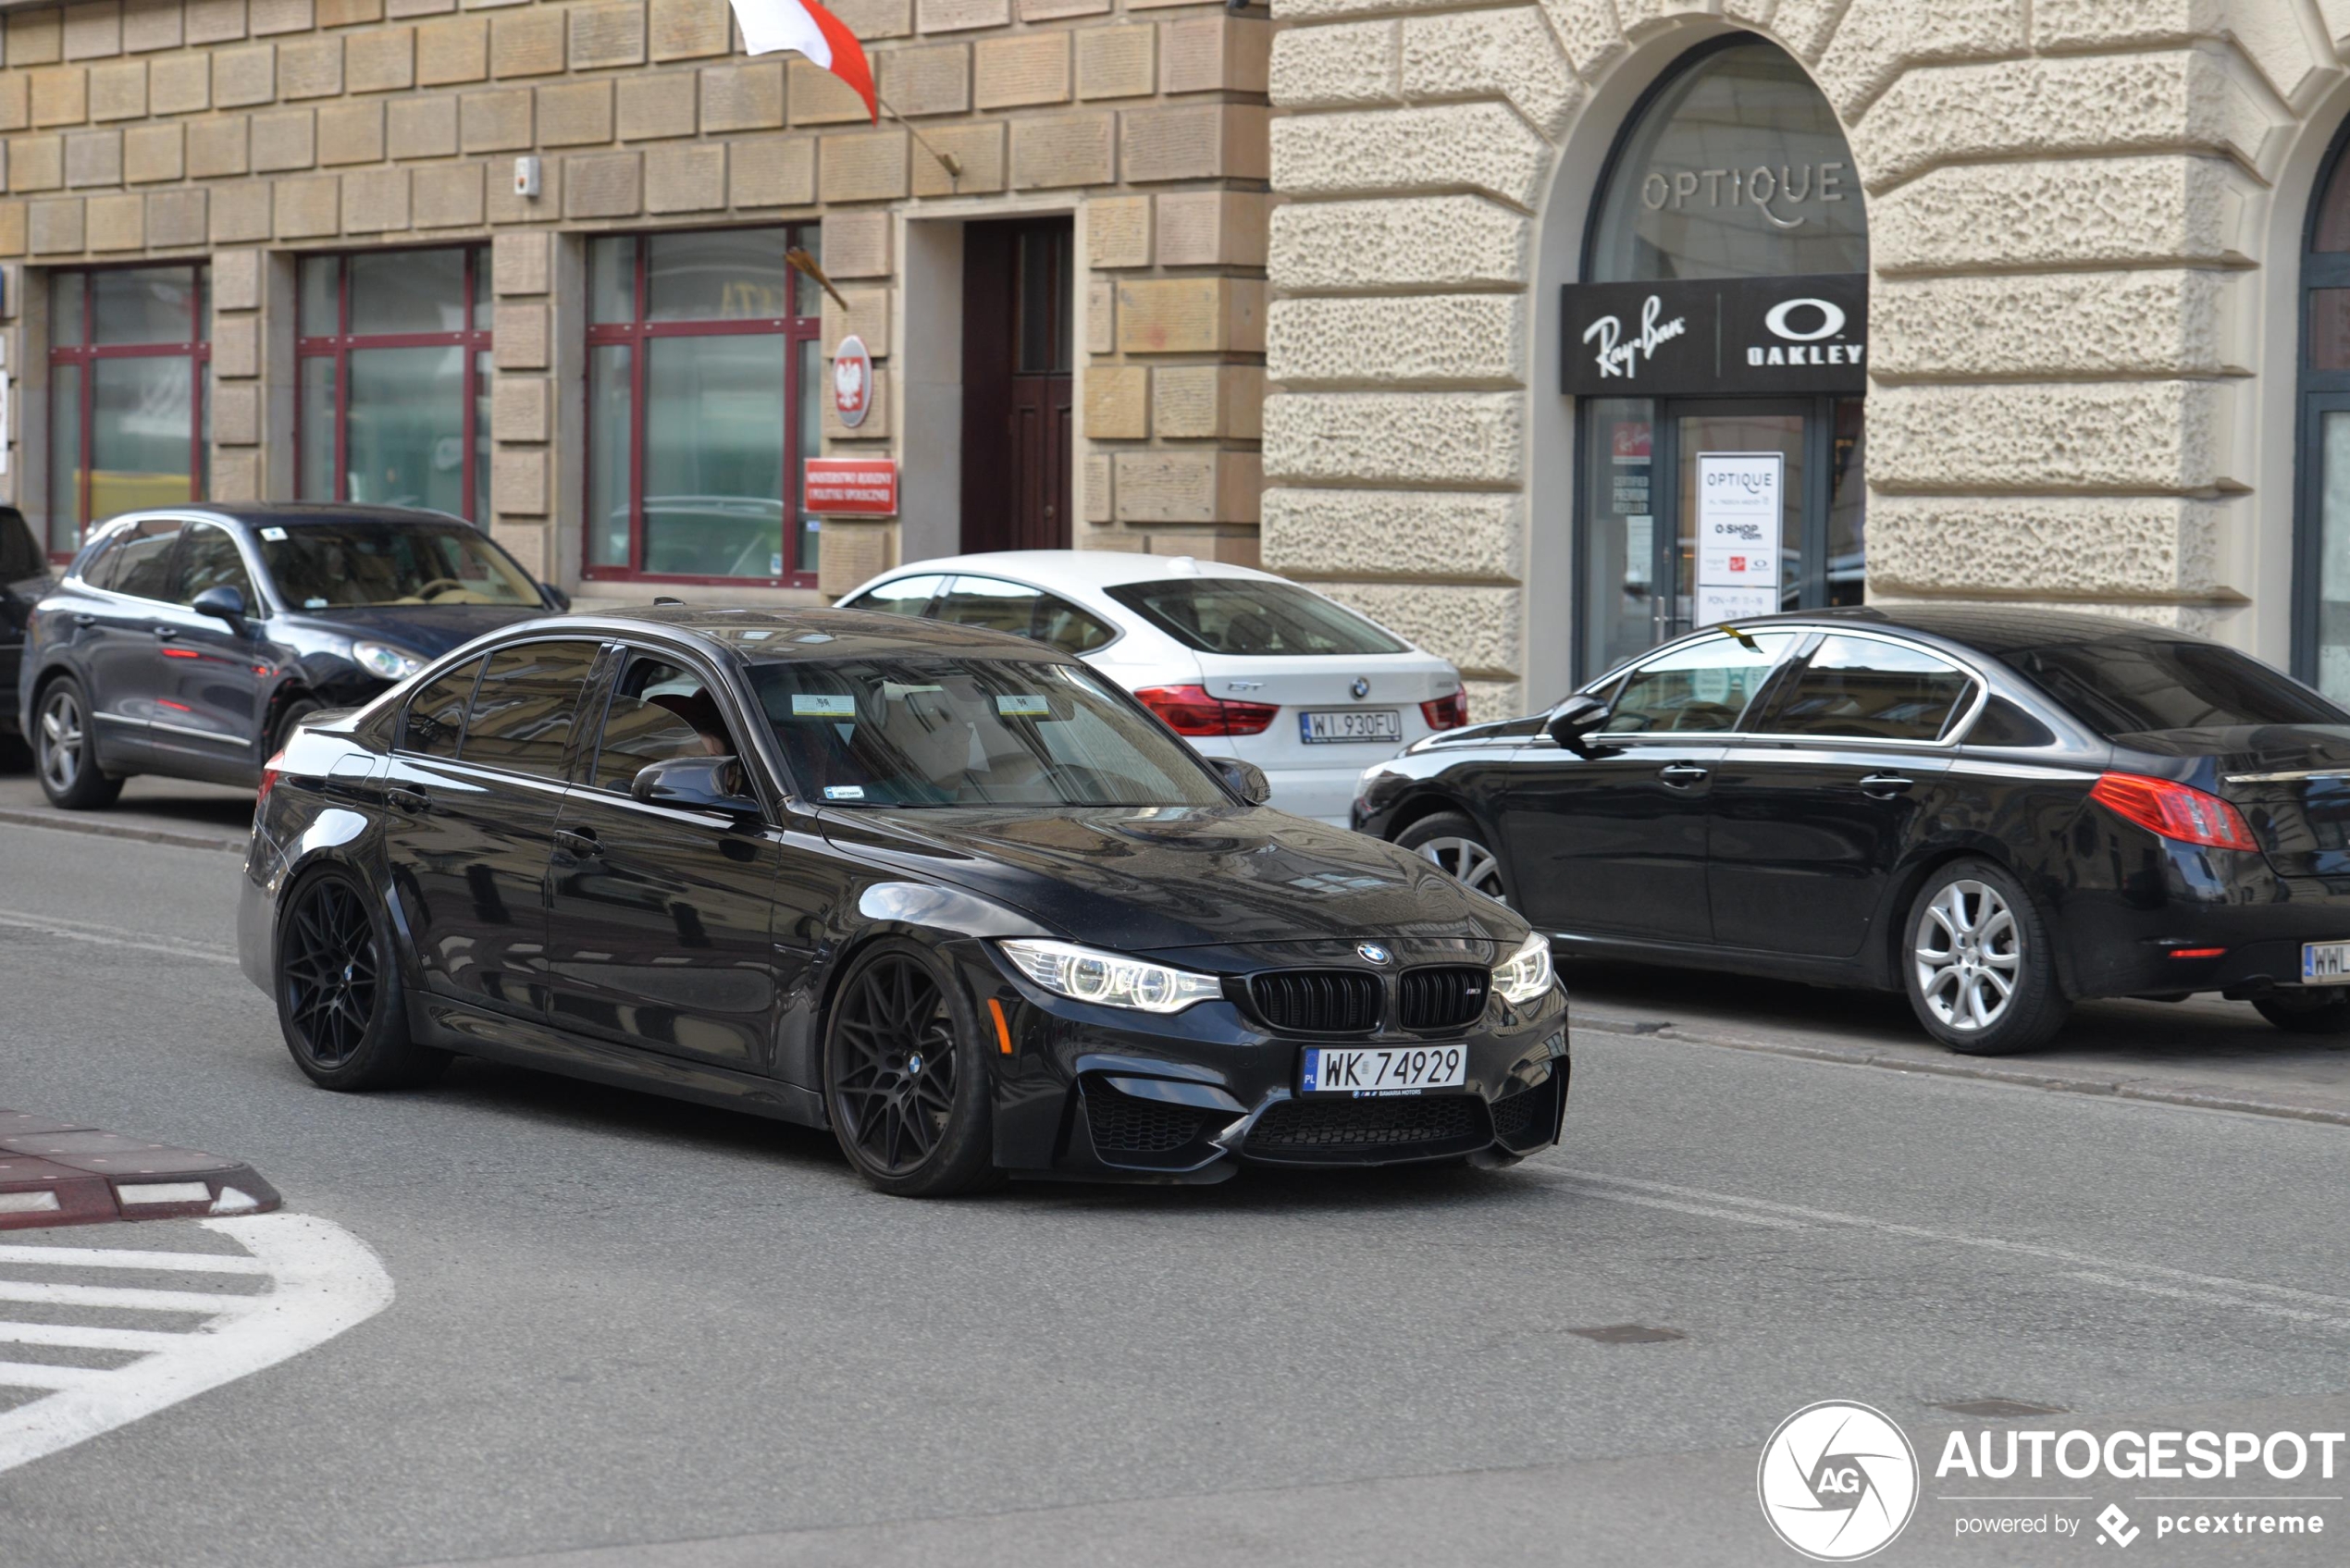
2202 1052
197 816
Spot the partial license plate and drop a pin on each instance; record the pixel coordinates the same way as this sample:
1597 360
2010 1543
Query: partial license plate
1397 1070
2325 963
1323 726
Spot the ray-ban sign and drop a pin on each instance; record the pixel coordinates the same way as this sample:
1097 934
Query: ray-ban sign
1726 335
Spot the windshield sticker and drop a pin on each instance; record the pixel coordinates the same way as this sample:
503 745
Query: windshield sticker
275 536
1026 706
843 792
809 704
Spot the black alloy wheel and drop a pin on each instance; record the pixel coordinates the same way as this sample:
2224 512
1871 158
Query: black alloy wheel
301 708
904 1083
2300 1010
64 746
339 1000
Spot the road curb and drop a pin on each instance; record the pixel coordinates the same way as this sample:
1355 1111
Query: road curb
118 829
1961 1067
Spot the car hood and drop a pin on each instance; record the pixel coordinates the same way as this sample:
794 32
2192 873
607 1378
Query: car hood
427 629
1142 879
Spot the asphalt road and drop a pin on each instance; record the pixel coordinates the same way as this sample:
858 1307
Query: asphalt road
624 1332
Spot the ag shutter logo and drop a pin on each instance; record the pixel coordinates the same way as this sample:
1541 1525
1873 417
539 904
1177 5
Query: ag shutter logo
2116 1527
1838 1481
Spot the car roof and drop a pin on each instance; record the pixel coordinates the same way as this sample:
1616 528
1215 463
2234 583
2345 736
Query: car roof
1991 629
773 636
1076 568
291 513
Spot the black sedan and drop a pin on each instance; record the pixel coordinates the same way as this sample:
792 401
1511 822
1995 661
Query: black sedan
2000 811
190 642
24 579
947 891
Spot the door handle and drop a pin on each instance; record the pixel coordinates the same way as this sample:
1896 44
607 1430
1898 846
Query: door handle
1885 787
408 799
1681 776
581 846
166 631
85 619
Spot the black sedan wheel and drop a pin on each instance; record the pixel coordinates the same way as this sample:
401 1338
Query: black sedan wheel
1978 962
2300 1011
65 748
1457 847
339 1001
904 1080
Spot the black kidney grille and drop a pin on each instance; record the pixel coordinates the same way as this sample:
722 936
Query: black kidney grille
1318 1001
1126 1125
1447 998
1327 1129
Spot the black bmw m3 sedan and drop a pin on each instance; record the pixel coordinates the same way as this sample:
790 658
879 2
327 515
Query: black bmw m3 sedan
946 892
2000 811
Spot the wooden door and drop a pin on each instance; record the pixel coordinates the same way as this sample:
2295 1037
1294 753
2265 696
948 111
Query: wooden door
1017 385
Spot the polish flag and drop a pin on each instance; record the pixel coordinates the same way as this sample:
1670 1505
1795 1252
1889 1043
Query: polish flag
807 27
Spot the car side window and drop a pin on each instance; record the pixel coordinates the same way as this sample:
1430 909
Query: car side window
141 562
1700 689
2003 723
1025 612
98 562
1875 691
436 717
902 596
524 709
659 709
208 559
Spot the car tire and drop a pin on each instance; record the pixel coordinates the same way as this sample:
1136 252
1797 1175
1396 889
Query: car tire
1972 930
340 1004
65 743
1457 847
895 1021
2296 1012
301 708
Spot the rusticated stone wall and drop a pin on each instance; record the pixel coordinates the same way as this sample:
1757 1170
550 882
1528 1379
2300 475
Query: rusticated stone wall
2085 222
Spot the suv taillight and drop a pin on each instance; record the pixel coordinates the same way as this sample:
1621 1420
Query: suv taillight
2174 810
1446 712
1189 711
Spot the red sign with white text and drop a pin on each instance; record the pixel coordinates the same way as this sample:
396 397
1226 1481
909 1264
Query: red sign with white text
853 487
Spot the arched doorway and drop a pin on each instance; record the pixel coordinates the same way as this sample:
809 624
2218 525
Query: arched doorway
1717 348
2322 544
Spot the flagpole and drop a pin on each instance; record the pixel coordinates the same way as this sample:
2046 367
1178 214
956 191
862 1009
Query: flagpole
948 161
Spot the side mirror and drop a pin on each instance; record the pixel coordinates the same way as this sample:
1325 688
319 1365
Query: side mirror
1247 780
1572 722
556 597
223 603
697 784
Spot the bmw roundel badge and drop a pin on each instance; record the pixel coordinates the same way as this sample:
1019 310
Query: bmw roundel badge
1372 952
1362 687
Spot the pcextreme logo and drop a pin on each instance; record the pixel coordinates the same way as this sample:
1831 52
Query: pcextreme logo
1838 1481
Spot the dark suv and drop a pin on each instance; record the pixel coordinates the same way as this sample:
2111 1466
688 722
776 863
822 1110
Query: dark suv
24 578
191 641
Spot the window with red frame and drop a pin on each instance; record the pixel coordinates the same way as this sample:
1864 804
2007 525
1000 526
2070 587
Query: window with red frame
394 367
128 424
703 371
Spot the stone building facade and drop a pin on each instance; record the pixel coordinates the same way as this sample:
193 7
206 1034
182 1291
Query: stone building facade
2087 225
298 173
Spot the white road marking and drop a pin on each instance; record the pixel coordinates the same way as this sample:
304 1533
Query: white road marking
1775 1222
114 936
120 1257
322 1280
2217 1288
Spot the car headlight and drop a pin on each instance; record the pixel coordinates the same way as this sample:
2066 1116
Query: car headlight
383 659
1088 974
1527 973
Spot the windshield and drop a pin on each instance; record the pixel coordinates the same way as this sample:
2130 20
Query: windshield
2127 685
1250 615
345 565
918 731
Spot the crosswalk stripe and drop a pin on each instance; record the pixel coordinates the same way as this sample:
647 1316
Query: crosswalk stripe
137 1300
26 1375
119 1257
78 1337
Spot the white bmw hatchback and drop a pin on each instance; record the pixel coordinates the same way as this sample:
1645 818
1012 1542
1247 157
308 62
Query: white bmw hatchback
1239 663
